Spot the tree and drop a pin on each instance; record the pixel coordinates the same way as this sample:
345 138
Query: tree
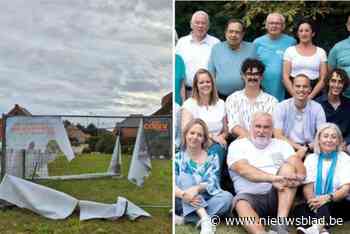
329 16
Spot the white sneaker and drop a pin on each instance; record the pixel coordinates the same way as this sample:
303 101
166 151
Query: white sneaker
324 231
311 230
179 220
206 226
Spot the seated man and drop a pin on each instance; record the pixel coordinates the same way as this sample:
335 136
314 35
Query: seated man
241 105
297 119
264 173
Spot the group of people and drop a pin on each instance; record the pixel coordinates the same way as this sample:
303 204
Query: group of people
269 116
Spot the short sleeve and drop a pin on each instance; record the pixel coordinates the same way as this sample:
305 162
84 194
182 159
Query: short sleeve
344 174
310 166
235 152
332 58
323 55
288 56
287 150
190 106
278 116
233 112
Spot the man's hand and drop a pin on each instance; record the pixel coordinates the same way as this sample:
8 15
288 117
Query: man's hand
279 182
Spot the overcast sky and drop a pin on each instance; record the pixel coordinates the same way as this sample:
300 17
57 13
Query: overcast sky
105 57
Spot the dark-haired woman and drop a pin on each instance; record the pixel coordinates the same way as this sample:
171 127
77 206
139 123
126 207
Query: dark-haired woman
305 58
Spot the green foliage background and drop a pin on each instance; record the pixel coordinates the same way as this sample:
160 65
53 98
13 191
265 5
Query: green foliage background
329 16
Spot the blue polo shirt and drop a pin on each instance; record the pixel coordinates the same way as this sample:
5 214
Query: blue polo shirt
339 57
270 52
225 65
340 116
179 77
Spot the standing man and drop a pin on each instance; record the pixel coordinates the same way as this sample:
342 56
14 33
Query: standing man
265 173
339 56
227 57
195 48
270 49
242 104
297 119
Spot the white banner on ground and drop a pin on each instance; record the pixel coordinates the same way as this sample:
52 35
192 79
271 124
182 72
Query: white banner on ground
116 158
37 198
140 165
54 204
96 210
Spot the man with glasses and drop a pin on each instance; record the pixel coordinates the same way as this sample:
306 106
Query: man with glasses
195 48
270 49
242 104
339 56
227 57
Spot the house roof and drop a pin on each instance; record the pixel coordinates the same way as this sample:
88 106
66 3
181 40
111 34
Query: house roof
16 110
167 105
132 121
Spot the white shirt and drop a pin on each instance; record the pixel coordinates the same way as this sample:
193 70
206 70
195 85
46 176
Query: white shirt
212 115
308 65
195 54
268 160
341 172
240 109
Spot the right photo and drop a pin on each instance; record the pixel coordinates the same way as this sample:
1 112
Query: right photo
262 127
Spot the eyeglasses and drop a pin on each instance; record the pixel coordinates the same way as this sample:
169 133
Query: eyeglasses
252 74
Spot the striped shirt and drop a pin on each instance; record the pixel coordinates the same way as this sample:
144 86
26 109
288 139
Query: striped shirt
240 109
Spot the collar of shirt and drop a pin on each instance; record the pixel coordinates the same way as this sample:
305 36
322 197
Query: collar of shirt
260 98
205 39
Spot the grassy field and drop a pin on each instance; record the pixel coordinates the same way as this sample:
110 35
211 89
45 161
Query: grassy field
157 190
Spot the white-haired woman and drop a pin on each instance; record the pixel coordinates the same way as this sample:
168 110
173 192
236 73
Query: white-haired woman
327 181
197 187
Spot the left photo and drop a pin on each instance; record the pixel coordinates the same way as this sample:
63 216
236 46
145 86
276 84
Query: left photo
86 125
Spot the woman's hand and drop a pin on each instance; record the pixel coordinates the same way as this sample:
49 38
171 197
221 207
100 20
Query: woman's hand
316 202
190 194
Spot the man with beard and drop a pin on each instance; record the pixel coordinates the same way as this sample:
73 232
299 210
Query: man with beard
298 118
265 175
243 103
227 57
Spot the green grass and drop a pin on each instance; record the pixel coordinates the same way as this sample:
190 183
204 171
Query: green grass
85 163
157 190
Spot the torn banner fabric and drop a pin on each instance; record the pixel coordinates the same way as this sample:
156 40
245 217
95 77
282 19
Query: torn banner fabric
140 165
42 200
53 204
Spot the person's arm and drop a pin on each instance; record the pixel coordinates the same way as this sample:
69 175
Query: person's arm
183 91
287 68
308 191
320 84
221 138
251 173
278 133
185 118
